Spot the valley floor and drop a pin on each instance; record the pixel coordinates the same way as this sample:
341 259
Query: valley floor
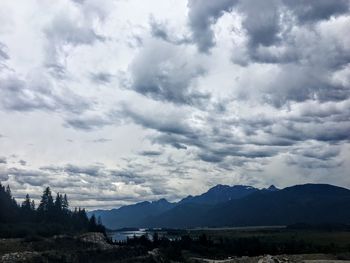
95 248
303 258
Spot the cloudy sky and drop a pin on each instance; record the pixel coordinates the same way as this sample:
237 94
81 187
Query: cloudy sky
114 102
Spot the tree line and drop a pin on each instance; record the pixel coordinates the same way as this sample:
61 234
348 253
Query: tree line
51 216
179 248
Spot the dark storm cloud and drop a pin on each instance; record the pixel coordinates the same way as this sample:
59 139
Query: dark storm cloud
218 155
3 160
24 176
315 10
178 146
150 153
163 72
76 170
23 172
161 30
89 123
33 180
312 163
266 23
303 83
331 111
210 157
202 15
17 96
164 123
264 137
95 172
261 21
102 77
179 142
65 30
37 93
331 132
3 177
128 176
321 152
56 70
22 162
212 145
3 53
77 179
315 55
158 29
88 170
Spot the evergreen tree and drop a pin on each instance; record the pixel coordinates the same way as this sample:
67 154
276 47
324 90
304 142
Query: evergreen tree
8 191
9 210
99 221
93 220
96 226
58 202
27 210
32 205
65 204
80 219
46 207
27 204
92 223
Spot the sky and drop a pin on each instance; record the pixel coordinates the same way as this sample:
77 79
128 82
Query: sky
116 102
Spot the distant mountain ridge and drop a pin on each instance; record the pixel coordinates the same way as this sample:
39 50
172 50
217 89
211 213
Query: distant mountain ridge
238 205
220 193
138 214
132 215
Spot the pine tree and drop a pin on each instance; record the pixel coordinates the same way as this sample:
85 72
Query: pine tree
32 205
46 203
58 202
99 221
9 210
26 205
92 223
8 191
65 204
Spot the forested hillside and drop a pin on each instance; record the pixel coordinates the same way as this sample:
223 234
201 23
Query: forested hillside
51 216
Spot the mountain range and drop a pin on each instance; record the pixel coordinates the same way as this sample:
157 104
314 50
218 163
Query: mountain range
238 205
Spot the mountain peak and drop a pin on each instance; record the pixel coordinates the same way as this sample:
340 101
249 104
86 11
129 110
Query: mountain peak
272 188
220 193
160 201
219 187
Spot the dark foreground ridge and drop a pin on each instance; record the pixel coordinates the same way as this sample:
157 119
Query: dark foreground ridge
238 206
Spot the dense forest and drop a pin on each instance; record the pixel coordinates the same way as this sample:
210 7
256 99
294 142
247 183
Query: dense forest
271 242
52 216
